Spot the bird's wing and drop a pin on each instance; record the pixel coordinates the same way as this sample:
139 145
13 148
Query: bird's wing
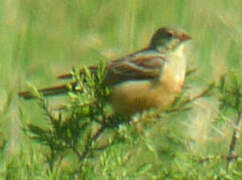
140 66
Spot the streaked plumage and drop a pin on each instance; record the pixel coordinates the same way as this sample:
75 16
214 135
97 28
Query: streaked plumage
149 78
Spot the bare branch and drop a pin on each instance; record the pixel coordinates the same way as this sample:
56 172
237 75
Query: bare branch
90 141
231 157
189 100
234 139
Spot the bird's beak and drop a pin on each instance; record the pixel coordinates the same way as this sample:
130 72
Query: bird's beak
185 37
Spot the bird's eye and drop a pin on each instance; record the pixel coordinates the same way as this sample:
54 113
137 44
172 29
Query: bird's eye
169 34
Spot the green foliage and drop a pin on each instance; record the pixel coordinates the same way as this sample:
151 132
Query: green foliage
40 39
113 147
87 118
230 92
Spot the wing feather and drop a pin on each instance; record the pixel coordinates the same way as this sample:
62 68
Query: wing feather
142 65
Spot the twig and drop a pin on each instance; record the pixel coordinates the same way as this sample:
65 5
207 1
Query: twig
104 146
191 71
203 93
189 100
231 157
90 141
74 149
235 136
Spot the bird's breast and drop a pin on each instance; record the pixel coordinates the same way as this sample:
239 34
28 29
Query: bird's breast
138 95
173 74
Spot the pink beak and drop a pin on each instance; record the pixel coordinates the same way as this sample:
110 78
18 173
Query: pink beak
185 37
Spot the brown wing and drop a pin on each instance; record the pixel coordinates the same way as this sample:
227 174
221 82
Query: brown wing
145 64
138 67
142 65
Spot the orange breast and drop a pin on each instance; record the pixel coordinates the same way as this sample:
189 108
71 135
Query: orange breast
131 97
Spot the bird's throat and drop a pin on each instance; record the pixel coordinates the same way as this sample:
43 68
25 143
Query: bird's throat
173 74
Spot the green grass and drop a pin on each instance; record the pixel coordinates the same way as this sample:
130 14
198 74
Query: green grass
42 39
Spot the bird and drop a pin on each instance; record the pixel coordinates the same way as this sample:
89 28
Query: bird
149 78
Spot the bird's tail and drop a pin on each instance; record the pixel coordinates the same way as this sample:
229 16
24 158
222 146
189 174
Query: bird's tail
57 90
51 91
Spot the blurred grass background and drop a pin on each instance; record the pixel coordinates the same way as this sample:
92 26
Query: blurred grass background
42 39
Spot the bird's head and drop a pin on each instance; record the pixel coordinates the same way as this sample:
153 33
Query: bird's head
168 39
